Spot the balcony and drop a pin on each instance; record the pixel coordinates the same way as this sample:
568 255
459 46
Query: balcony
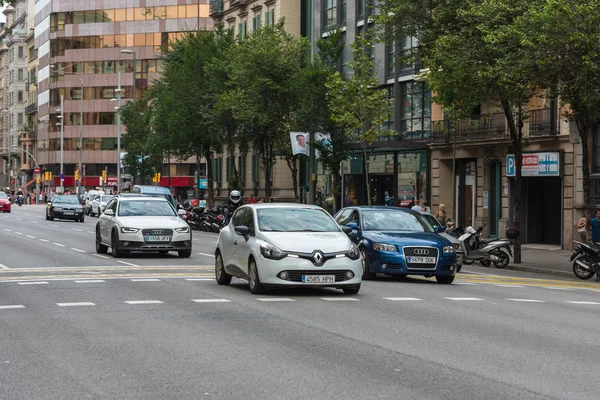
542 122
216 7
30 109
478 127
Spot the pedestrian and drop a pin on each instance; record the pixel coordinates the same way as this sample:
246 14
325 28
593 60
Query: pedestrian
441 215
581 229
260 200
596 227
251 199
424 207
417 207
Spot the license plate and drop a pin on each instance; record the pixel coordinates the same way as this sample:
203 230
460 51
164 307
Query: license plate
158 238
69 212
421 260
318 278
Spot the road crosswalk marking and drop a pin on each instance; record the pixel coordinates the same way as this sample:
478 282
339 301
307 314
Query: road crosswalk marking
526 300
402 298
85 303
211 300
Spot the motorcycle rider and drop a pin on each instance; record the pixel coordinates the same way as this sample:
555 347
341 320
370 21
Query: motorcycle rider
234 201
596 227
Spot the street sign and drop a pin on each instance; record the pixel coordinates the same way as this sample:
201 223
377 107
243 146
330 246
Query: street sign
62 176
203 183
535 164
36 170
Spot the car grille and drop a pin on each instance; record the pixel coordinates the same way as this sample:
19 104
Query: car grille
418 252
296 275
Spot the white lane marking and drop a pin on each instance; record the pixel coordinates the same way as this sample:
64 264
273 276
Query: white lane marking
200 279
527 300
85 303
273 299
33 283
126 263
44 240
18 233
79 250
2 266
207 255
92 281
463 298
78 230
145 280
11 307
464 283
339 299
55 226
7 230
144 302
402 298
92 232
582 302
99 255
59 245
33 222
30 237
517 286
211 300
555 288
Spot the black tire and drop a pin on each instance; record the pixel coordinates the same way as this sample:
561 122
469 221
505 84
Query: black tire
51 217
582 273
458 268
368 275
468 262
222 277
253 279
100 248
82 219
444 279
504 259
185 253
485 263
351 289
116 253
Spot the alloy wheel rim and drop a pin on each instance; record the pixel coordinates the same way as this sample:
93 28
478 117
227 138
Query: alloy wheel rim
219 267
364 261
252 275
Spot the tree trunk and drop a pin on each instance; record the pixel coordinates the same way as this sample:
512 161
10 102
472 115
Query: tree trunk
231 151
366 173
582 127
209 174
267 159
516 135
292 163
454 190
197 178
335 190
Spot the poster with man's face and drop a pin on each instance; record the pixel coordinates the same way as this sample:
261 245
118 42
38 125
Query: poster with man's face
299 143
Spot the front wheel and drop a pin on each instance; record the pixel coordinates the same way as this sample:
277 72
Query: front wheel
581 272
444 279
367 273
351 289
116 253
254 280
485 262
185 253
223 278
503 259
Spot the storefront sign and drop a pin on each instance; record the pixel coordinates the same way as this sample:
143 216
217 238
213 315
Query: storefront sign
535 164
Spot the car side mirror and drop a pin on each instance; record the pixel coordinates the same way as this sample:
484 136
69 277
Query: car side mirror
109 212
242 231
352 225
181 211
347 230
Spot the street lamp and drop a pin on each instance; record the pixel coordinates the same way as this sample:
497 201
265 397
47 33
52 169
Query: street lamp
128 51
62 137
118 109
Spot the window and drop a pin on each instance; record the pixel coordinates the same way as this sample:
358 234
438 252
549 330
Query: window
270 17
329 14
21 52
21 74
360 4
343 12
415 113
20 96
391 59
406 48
256 23
216 170
20 119
242 30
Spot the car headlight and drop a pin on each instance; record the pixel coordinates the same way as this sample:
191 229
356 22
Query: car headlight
128 230
57 208
449 250
353 253
384 247
185 229
272 252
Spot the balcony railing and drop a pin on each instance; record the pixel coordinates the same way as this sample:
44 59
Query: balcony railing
489 126
216 7
542 122
31 108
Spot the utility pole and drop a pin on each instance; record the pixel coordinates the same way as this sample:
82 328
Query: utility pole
79 177
62 138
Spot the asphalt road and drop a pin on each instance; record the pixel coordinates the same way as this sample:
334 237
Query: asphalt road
75 326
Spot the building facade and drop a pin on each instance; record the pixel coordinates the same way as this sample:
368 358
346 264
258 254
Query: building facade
81 49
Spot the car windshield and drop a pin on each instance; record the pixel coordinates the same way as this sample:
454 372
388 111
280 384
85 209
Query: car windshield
106 198
146 208
3 195
375 220
432 220
63 198
295 220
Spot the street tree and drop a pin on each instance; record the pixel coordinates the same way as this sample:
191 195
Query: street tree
357 104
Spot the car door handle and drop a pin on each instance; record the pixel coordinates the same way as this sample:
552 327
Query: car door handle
235 243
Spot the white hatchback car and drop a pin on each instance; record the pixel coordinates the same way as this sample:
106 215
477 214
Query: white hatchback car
287 245
148 224
99 203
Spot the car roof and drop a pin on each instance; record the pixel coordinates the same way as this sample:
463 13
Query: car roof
141 197
153 189
260 206
382 208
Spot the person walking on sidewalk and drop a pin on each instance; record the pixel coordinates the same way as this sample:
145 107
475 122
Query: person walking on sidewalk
441 215
596 227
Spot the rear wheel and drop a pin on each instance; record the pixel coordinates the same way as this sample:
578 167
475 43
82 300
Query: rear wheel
253 279
100 248
444 279
223 278
581 272
503 261
351 289
367 273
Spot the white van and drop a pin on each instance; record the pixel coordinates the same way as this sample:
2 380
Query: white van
88 201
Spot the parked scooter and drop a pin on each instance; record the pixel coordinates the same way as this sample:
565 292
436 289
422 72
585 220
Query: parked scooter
586 260
487 255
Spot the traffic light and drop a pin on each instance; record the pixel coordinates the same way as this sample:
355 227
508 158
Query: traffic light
156 178
103 175
46 177
49 176
76 175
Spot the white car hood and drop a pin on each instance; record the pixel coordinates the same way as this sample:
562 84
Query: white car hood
152 222
307 242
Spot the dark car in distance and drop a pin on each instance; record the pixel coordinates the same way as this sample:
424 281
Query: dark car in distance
64 206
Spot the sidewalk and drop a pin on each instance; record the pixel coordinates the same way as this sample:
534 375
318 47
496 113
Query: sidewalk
542 259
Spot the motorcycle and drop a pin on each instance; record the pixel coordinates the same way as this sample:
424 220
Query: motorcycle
586 260
20 200
489 254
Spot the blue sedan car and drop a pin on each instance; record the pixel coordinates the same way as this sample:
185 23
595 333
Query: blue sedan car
396 241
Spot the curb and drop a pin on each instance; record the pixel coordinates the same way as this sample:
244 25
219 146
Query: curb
539 270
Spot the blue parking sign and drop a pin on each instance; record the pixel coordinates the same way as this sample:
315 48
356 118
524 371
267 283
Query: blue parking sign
510 165
203 183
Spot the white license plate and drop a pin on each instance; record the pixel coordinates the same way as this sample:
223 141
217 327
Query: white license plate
421 260
158 238
69 212
318 278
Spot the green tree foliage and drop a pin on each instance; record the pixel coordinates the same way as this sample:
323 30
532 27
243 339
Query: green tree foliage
357 104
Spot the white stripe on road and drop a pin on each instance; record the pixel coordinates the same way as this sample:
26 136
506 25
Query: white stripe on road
463 298
11 307
402 298
464 283
527 300
99 255
55 226
339 299
92 232
2 266
144 302
517 286
207 255
75 304
30 237
582 302
18 233
211 300
7 230
145 280
33 283
59 245
33 222
200 279
79 250
555 288
78 230
126 263
273 299
44 240
92 281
